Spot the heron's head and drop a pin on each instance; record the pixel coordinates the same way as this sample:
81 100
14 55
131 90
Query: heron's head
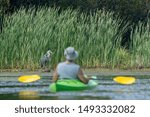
48 53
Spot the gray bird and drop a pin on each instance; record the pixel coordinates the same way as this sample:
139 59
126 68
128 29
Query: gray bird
46 58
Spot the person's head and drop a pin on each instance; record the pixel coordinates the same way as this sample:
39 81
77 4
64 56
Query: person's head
70 54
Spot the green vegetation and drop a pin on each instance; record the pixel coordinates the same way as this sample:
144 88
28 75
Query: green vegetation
140 46
133 9
27 35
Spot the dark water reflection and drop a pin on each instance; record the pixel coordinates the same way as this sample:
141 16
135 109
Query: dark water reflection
107 89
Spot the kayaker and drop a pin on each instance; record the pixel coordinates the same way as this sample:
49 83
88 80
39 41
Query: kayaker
69 69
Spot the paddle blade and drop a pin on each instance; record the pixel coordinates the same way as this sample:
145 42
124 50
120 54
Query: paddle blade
27 79
124 80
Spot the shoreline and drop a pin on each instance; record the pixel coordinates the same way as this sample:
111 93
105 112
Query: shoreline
91 71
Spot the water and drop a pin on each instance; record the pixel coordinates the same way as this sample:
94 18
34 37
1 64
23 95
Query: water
11 89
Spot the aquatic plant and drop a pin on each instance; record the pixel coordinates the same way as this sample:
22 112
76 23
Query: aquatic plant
27 35
139 48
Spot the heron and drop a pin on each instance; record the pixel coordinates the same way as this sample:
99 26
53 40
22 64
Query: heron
46 58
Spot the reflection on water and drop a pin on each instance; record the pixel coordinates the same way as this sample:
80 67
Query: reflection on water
29 95
107 89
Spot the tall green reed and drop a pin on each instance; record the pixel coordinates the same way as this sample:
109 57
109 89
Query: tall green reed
28 35
140 52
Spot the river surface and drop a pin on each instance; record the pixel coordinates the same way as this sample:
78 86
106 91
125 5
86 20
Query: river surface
11 89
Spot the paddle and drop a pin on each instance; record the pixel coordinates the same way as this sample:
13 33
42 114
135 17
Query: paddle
124 80
33 78
28 78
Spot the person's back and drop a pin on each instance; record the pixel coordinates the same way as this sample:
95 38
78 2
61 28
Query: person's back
68 70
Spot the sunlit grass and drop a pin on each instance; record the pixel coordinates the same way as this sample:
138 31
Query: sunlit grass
27 36
140 46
